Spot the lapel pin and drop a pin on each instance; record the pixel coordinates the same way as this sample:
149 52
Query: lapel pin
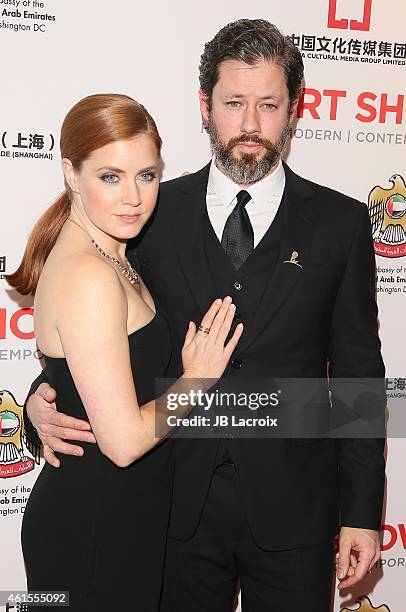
293 259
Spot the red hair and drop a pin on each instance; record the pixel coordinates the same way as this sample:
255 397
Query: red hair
92 123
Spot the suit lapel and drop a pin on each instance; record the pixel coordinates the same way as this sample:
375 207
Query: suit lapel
190 226
297 238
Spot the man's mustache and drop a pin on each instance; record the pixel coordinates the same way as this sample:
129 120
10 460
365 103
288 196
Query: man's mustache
251 139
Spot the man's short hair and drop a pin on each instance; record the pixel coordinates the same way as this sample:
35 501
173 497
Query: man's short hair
250 41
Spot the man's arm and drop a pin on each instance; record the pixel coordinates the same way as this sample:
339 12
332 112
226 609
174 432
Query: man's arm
44 425
355 356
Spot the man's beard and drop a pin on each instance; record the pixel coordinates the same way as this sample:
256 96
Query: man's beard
247 168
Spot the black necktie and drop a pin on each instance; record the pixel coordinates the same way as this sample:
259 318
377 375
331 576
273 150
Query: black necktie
238 236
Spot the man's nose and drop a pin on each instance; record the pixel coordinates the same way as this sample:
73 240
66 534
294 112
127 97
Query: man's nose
250 121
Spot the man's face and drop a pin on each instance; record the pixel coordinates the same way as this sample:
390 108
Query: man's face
249 119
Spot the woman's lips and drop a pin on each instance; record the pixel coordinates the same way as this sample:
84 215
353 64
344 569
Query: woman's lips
128 218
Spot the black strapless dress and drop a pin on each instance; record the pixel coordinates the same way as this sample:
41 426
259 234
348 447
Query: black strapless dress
92 528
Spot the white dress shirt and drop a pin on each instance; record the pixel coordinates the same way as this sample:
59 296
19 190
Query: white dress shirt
266 195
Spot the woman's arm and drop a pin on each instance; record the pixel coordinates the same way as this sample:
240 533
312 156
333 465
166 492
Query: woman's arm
93 330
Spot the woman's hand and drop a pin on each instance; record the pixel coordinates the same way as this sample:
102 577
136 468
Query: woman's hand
204 354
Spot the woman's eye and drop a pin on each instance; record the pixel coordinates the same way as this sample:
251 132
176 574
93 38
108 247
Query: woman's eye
147 177
109 178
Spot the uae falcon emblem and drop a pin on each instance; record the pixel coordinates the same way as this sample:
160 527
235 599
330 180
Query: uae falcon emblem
387 211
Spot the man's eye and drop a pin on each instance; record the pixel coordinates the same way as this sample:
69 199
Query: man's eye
233 103
269 106
147 177
109 178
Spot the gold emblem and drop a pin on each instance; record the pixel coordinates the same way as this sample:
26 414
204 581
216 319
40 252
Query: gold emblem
387 211
366 606
14 461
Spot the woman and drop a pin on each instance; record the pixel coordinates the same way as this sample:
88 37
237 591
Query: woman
104 343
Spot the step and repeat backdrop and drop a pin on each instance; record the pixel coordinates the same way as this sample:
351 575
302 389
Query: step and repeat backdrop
350 135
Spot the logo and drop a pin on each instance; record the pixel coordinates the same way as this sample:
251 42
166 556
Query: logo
2 266
16 324
343 44
366 606
32 145
346 24
20 607
387 211
395 532
14 460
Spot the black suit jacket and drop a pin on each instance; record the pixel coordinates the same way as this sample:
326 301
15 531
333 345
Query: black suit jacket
296 492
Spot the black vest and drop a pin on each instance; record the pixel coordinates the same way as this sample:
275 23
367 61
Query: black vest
246 285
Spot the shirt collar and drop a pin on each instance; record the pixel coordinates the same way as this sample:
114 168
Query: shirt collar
226 190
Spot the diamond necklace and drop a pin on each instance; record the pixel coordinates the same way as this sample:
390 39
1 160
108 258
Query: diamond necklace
127 270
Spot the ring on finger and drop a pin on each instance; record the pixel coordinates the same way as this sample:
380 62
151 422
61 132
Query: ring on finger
204 330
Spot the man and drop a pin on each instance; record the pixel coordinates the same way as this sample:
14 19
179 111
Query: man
298 260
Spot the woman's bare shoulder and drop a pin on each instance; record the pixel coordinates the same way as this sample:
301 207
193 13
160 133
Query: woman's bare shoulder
84 275
76 267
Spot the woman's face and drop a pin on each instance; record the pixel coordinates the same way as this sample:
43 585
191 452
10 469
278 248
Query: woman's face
117 186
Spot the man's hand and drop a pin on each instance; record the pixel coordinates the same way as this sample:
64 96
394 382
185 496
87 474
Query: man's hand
53 427
359 550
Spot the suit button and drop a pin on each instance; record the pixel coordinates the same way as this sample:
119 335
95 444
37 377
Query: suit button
229 436
236 364
237 317
238 286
